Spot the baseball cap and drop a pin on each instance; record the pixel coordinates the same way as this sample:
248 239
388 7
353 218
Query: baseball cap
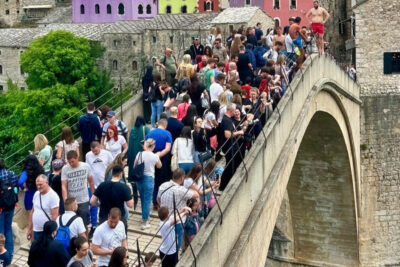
196 38
110 113
57 164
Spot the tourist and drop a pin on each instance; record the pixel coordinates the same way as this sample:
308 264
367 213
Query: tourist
81 252
208 73
121 127
147 81
216 87
168 249
182 107
173 189
47 252
157 102
279 37
251 37
189 117
185 69
71 219
220 51
120 160
168 65
112 194
119 257
43 152
286 28
55 181
196 91
235 46
199 138
66 144
211 121
297 36
244 66
258 31
163 140
169 96
7 178
319 16
45 208
146 185
174 125
5 255
183 149
193 221
108 236
89 127
114 142
211 37
75 178
196 49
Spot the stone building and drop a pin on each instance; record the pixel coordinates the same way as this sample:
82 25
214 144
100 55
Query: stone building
208 6
110 11
10 11
177 7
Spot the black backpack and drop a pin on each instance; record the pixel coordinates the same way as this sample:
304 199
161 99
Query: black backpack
8 194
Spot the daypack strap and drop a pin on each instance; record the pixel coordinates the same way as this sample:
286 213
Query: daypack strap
72 220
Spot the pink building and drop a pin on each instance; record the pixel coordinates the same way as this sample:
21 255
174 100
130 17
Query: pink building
279 10
112 10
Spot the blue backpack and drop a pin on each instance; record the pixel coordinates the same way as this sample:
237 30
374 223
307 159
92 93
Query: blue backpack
63 233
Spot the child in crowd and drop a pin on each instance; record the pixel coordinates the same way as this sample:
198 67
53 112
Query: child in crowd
192 224
168 253
5 256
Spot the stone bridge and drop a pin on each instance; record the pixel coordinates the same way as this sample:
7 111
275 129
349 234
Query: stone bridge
309 160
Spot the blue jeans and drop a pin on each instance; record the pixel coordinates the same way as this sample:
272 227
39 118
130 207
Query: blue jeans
6 218
37 235
186 166
145 188
93 212
179 233
156 110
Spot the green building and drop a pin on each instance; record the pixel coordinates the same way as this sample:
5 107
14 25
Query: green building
177 6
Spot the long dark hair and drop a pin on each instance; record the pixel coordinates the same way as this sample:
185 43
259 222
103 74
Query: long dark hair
33 169
194 83
214 108
186 133
148 76
195 172
40 246
117 257
139 121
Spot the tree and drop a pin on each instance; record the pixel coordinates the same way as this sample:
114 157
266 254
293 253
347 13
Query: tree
62 78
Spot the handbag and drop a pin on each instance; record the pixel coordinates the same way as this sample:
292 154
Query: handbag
204 101
138 170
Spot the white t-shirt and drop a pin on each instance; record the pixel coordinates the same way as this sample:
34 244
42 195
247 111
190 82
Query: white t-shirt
108 238
188 182
115 147
210 117
221 113
98 164
185 149
150 159
50 200
77 181
289 44
76 227
68 147
168 246
215 90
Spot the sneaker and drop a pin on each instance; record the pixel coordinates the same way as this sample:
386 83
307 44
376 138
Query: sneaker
91 232
145 226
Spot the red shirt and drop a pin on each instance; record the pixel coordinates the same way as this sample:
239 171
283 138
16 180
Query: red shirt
247 88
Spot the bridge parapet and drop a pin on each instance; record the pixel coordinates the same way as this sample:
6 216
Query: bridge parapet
250 208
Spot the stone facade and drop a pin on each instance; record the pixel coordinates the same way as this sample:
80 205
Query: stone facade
10 11
177 7
10 68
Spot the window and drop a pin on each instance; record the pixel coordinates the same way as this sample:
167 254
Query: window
7 12
21 70
1 69
115 65
391 63
148 9
171 39
121 9
134 43
1 87
22 88
134 65
154 39
168 10
82 9
208 6
184 9
140 9
116 43
293 4
0 52
277 4
97 9
108 9
248 2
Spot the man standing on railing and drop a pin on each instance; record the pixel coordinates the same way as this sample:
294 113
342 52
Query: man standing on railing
89 127
8 179
319 16
298 36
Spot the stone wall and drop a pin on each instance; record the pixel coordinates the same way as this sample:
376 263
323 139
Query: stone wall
380 170
10 12
377 31
9 60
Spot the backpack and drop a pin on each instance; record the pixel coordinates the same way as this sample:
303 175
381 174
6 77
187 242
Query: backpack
202 75
8 197
123 130
64 234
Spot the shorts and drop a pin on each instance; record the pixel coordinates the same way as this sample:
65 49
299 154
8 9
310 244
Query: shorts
317 28
84 212
298 42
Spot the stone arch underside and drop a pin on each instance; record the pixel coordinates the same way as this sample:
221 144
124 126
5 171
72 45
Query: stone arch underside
321 196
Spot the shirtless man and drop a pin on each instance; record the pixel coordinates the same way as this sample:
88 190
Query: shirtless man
318 18
297 35
279 37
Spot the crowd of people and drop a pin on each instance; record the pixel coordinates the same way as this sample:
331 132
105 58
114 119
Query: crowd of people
201 116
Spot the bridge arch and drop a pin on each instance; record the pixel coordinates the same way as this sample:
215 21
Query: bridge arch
322 92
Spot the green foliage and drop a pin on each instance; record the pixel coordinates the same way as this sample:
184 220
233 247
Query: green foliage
62 78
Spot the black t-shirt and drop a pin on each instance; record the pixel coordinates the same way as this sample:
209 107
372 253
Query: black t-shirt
174 127
171 94
195 96
156 88
55 183
199 141
112 194
243 63
226 125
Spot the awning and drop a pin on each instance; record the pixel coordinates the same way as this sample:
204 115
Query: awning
38 7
